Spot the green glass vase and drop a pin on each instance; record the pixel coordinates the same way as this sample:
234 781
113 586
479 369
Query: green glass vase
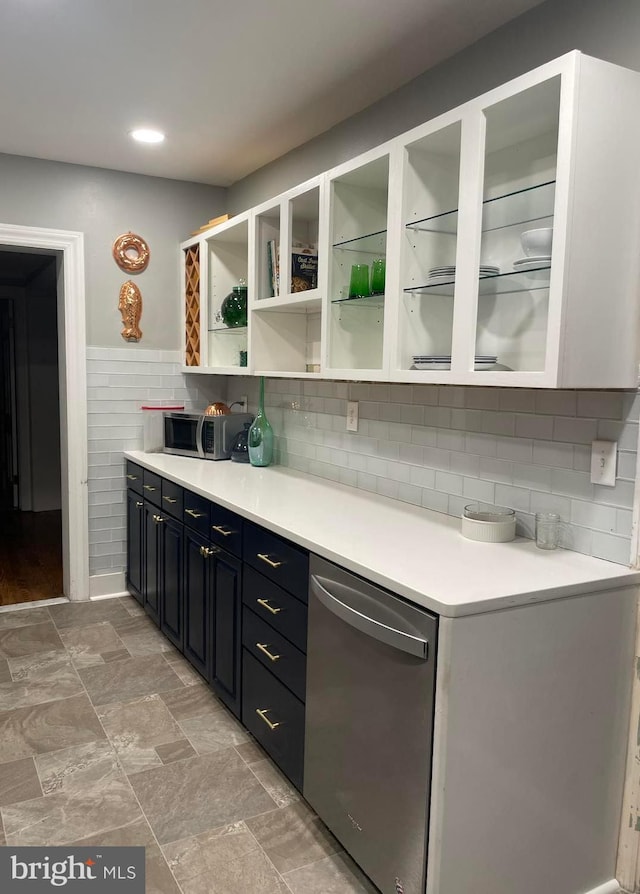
261 435
234 307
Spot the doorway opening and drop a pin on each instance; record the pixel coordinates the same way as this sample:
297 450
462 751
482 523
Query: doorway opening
59 428
30 478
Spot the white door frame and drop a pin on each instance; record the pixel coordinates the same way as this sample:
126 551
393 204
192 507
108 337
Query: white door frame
72 341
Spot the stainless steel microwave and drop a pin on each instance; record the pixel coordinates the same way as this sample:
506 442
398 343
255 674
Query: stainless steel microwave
204 437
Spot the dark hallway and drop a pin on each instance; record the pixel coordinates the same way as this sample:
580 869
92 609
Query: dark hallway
30 516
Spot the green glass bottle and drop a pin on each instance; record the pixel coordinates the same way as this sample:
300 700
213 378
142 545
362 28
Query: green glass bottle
261 435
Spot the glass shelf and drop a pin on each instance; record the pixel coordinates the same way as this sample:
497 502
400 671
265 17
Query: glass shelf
523 206
498 284
226 329
368 301
370 243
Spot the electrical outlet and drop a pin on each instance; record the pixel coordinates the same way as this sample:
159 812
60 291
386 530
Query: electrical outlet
603 462
352 415
244 401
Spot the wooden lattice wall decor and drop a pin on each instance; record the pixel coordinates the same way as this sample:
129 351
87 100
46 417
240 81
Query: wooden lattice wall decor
192 305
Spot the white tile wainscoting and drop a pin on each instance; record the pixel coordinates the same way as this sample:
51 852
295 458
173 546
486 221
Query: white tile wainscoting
119 382
442 447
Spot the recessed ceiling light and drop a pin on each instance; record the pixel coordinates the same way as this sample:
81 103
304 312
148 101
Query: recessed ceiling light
146 135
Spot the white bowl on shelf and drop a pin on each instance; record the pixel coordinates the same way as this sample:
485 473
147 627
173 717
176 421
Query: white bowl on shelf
537 242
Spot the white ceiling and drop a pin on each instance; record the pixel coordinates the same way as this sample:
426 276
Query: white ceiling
233 83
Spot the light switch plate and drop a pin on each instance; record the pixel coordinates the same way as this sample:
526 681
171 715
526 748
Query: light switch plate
603 462
352 415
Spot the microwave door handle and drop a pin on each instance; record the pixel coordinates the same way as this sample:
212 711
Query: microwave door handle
199 436
405 642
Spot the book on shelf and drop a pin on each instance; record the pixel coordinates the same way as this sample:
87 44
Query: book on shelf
273 267
304 267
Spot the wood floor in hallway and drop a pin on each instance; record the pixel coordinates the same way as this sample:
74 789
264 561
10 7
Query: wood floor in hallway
30 556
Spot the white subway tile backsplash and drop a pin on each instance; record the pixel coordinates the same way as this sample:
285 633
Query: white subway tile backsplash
518 498
485 445
611 547
517 400
516 449
482 399
626 434
600 404
571 483
410 494
465 464
575 431
422 477
557 403
475 489
624 522
496 470
532 426
594 516
411 453
551 503
438 447
448 483
555 455
450 440
627 465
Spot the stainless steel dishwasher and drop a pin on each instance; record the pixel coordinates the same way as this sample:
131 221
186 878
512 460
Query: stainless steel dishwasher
369 723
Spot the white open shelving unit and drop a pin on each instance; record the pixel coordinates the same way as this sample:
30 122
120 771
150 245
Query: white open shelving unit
555 148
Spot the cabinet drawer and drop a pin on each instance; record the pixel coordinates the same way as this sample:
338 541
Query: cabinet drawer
152 487
195 512
225 529
284 563
280 609
274 716
172 498
277 654
134 477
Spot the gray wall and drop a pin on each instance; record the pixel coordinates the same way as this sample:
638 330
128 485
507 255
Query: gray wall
609 30
103 204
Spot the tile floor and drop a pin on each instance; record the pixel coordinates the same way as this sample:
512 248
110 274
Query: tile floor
107 736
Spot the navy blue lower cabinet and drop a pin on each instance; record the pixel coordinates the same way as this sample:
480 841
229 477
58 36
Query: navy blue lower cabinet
152 557
226 572
197 601
171 580
135 545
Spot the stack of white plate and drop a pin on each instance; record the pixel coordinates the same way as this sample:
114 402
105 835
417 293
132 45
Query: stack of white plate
448 272
443 361
532 263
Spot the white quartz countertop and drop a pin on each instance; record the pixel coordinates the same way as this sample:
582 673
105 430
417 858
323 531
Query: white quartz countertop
414 552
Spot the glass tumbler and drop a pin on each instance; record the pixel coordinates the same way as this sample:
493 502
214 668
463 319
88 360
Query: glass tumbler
547 530
359 283
377 276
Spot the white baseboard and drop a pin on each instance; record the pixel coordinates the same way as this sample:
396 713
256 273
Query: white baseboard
107 585
611 887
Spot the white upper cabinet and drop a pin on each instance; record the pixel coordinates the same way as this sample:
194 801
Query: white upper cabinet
498 244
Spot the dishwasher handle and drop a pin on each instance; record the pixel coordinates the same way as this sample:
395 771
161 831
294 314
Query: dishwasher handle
398 639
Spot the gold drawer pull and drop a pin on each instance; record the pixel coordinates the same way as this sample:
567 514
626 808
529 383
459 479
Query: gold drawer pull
265 604
221 530
194 513
261 714
139 504
149 487
207 552
132 477
170 500
158 519
265 651
265 558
